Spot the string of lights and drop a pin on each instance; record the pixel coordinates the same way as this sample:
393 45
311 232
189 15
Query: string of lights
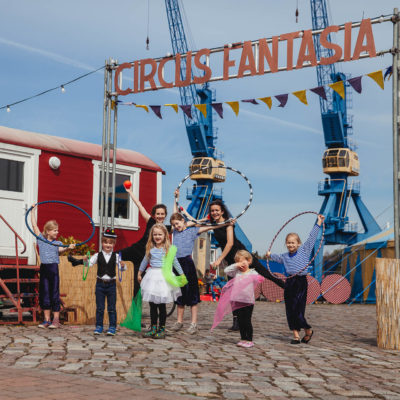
59 87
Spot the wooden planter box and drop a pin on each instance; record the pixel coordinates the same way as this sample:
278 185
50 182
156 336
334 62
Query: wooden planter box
80 294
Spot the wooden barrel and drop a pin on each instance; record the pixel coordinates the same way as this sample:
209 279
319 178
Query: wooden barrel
388 303
80 294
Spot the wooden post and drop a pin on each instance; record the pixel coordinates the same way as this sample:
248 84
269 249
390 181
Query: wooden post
388 303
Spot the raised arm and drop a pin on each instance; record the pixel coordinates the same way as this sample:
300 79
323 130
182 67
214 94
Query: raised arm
212 227
139 205
227 248
33 221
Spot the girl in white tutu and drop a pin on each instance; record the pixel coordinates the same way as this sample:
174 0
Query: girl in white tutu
155 289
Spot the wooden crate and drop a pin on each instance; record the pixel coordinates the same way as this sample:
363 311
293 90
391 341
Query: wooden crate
388 303
81 294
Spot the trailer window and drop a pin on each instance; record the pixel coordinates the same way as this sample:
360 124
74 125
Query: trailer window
121 209
12 175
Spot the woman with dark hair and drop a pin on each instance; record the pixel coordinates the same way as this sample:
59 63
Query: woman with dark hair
136 251
229 244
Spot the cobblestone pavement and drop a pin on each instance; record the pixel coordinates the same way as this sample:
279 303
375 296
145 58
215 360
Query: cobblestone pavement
342 360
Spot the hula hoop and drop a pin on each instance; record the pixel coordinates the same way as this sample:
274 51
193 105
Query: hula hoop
205 223
59 202
280 230
85 265
119 267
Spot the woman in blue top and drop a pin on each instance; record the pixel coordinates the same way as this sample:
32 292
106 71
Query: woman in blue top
295 292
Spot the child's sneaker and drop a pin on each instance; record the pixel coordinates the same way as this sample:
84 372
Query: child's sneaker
111 331
151 332
241 343
192 329
160 334
177 326
44 324
248 344
98 330
55 324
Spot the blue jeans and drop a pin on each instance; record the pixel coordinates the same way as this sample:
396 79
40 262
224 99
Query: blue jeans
109 291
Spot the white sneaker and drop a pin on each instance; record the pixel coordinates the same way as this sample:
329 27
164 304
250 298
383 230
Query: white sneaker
177 326
192 329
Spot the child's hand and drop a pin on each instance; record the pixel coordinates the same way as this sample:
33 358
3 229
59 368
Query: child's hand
176 194
139 277
320 219
123 266
71 246
268 254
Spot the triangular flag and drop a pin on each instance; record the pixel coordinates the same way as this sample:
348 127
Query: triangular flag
301 95
320 91
377 76
338 87
218 108
142 106
187 110
157 111
234 105
252 101
356 83
282 98
267 101
174 106
388 72
202 108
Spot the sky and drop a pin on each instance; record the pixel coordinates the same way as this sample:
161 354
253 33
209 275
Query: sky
44 44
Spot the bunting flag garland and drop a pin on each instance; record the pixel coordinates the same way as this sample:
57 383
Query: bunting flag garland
388 73
174 106
377 76
282 98
320 91
252 101
157 111
187 109
234 105
301 95
218 109
202 108
267 101
339 87
356 83
142 106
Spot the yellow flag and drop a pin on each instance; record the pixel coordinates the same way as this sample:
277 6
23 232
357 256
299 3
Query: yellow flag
267 101
112 104
174 106
202 108
234 105
338 87
142 106
377 76
301 95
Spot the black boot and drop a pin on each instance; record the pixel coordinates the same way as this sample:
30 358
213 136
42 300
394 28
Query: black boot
74 261
235 325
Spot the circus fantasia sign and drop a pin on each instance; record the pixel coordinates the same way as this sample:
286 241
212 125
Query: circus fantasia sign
247 58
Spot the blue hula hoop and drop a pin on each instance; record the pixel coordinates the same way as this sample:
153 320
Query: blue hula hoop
59 202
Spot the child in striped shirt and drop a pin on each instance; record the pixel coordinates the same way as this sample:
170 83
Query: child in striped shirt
295 291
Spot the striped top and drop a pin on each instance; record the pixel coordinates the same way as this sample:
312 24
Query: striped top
156 257
295 262
48 254
184 240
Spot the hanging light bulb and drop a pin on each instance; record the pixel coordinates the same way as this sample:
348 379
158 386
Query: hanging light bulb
297 11
8 109
62 88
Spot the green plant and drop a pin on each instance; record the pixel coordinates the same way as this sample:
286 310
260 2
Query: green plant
80 250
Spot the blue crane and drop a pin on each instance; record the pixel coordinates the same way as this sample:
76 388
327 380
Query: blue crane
339 161
200 130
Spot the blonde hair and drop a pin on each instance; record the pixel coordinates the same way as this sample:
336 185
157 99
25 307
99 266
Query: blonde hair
49 225
150 242
243 254
294 234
